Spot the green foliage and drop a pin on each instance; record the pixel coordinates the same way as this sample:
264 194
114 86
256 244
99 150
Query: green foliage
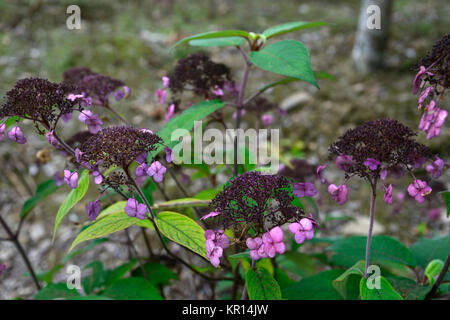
347 283
297 263
383 249
318 286
132 289
108 224
42 191
186 121
74 196
433 269
446 196
182 230
425 250
217 42
288 57
290 27
261 285
157 273
385 292
213 35
408 288
56 291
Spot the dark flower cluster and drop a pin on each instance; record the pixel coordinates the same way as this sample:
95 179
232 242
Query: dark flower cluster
118 146
74 75
253 203
437 63
39 100
198 73
364 149
99 87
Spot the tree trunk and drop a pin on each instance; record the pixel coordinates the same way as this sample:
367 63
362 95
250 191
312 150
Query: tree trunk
372 35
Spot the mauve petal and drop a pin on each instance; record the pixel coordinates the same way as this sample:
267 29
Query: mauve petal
300 237
209 245
306 224
210 234
276 234
294 227
309 234
269 249
280 247
254 254
266 238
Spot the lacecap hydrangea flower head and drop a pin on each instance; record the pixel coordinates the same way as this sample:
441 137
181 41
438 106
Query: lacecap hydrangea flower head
255 206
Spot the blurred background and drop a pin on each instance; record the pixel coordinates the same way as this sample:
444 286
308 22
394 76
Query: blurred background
129 40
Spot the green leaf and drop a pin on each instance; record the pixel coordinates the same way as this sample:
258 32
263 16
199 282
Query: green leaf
297 263
341 283
408 288
56 291
282 278
132 289
446 196
427 249
11 121
157 273
72 199
89 297
112 276
43 190
385 292
290 27
182 230
433 269
181 203
316 287
288 57
217 42
186 121
317 75
383 248
109 224
261 285
213 35
96 279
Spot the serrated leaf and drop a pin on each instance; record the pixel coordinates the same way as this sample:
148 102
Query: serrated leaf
109 224
182 230
74 196
261 285
213 35
132 289
383 248
43 190
290 27
341 282
217 42
385 292
288 57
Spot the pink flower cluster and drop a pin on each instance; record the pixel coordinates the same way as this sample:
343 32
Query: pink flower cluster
15 134
269 245
216 242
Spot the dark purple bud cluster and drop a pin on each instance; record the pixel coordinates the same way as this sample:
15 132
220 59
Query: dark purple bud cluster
198 73
376 145
39 100
98 87
253 203
74 75
437 63
118 146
